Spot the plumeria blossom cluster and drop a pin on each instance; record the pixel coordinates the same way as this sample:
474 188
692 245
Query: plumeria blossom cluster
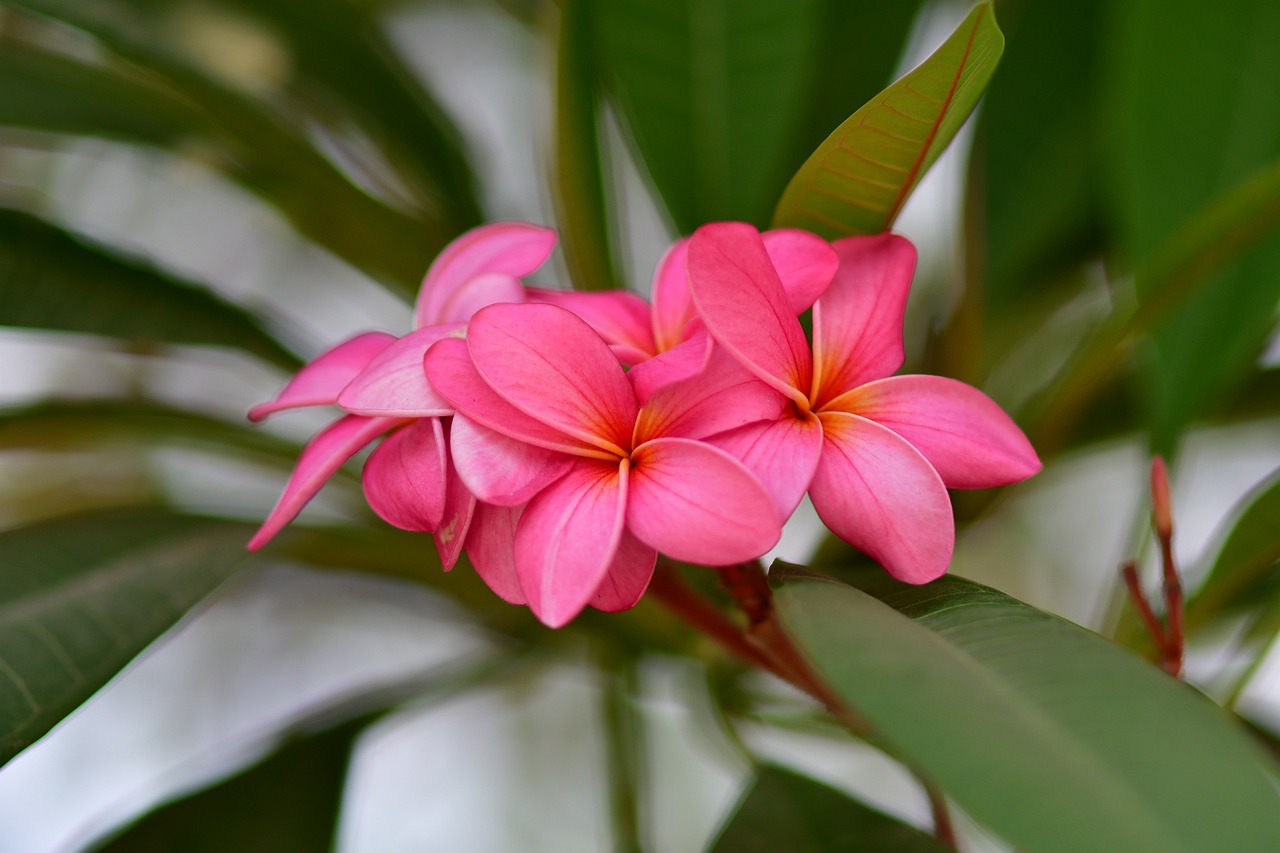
564 440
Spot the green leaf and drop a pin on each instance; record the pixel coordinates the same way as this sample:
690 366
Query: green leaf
857 181
1051 736
81 596
713 94
1248 555
583 214
173 107
783 810
79 424
1037 154
50 279
1195 109
287 803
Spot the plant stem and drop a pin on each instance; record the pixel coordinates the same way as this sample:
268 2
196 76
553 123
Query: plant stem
943 828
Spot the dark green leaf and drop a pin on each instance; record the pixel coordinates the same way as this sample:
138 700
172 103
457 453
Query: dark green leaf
1053 737
1195 107
172 106
585 236
50 279
714 94
287 803
1247 557
860 177
1037 150
785 811
80 596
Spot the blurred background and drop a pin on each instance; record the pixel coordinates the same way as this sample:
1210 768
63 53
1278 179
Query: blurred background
198 195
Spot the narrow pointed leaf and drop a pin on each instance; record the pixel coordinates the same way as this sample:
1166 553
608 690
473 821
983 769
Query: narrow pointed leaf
782 810
857 181
80 596
1051 736
51 279
1248 555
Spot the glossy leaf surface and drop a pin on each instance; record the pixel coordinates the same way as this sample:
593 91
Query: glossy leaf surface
1051 736
860 177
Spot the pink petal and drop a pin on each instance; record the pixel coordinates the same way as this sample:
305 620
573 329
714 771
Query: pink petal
321 458
491 548
673 365
551 365
857 324
805 264
512 248
697 503
628 577
966 437
322 379
455 522
879 494
618 316
629 355
742 303
394 383
485 289
500 470
454 376
673 306
568 538
725 395
783 454
404 477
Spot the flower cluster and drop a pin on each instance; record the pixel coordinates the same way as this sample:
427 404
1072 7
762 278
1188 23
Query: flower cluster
564 440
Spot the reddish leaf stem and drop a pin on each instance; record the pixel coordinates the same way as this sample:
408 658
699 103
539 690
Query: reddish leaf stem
1170 638
943 828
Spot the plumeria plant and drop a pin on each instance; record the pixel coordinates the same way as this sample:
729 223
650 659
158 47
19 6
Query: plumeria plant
775 474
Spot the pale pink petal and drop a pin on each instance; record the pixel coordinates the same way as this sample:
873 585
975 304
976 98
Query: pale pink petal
725 395
491 547
742 303
454 376
879 494
459 509
568 537
672 303
694 502
500 470
805 264
485 289
966 437
322 379
857 324
404 476
512 248
320 459
394 383
673 365
628 577
552 366
783 454
619 316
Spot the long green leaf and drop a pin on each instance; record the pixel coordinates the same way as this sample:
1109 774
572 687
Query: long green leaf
585 232
857 181
1053 737
782 810
50 279
170 106
287 803
713 93
80 596
1247 557
1194 109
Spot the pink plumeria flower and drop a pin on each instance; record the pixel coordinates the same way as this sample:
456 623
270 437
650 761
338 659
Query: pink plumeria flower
668 330
547 420
875 452
378 380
